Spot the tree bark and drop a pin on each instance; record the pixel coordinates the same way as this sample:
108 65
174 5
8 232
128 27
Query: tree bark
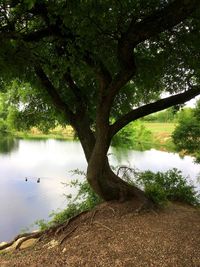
99 173
105 182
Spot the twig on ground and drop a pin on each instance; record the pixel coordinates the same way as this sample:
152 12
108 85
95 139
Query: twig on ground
101 224
68 234
93 215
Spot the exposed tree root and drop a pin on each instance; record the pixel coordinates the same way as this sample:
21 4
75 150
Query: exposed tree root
68 234
34 235
25 237
56 229
93 215
61 228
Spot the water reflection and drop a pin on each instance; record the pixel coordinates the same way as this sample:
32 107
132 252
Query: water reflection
23 202
8 144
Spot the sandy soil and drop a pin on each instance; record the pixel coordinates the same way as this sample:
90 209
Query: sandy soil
118 235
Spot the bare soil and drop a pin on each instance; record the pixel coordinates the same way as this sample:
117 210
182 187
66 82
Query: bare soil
118 235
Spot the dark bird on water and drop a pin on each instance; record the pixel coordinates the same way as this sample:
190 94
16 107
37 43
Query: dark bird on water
38 180
26 179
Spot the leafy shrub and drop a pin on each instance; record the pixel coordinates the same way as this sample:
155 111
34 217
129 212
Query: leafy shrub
169 185
62 216
85 199
133 135
3 126
159 187
187 133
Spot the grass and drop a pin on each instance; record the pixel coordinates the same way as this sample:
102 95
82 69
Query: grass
161 135
158 127
62 133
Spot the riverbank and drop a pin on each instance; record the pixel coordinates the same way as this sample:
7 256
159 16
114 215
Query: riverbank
118 235
161 135
62 133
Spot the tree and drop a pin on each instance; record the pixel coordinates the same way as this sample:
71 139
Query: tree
187 133
100 65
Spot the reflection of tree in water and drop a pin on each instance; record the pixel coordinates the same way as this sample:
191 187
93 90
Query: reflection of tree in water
8 144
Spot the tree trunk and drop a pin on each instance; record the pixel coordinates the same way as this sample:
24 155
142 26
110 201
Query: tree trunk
99 174
109 186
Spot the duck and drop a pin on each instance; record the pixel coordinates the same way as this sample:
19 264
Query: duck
38 180
26 179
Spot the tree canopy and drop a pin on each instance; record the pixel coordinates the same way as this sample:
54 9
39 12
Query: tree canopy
99 65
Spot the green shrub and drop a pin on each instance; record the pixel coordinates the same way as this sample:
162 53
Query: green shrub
3 126
42 224
169 185
159 187
157 194
85 199
62 216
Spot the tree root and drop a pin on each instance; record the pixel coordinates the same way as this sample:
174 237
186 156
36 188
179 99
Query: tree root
68 234
25 237
63 227
56 229
34 235
104 226
92 217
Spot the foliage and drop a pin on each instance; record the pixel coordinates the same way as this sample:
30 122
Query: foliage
57 37
157 194
169 185
85 199
97 66
8 144
3 126
169 115
133 135
162 187
187 133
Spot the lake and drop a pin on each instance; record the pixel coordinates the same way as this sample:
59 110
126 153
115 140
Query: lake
23 202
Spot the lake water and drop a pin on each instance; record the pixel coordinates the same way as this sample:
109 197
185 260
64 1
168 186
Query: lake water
23 202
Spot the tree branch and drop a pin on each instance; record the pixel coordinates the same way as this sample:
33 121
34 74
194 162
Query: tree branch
159 21
153 107
72 85
80 99
103 75
52 92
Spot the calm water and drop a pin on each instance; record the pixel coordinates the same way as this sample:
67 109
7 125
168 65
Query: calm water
23 202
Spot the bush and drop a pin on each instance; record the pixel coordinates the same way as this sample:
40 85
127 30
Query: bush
186 135
85 199
133 135
170 185
3 126
157 194
159 187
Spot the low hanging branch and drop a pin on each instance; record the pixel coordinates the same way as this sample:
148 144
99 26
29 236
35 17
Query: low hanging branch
153 107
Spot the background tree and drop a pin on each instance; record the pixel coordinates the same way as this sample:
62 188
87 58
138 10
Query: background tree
187 134
100 65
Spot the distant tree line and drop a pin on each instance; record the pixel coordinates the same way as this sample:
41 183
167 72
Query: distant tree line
173 114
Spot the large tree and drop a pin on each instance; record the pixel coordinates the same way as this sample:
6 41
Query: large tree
100 65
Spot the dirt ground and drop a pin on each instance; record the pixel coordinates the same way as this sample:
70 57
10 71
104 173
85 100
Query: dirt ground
118 235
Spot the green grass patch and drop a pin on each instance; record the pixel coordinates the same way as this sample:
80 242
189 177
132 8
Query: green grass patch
162 135
59 133
158 127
